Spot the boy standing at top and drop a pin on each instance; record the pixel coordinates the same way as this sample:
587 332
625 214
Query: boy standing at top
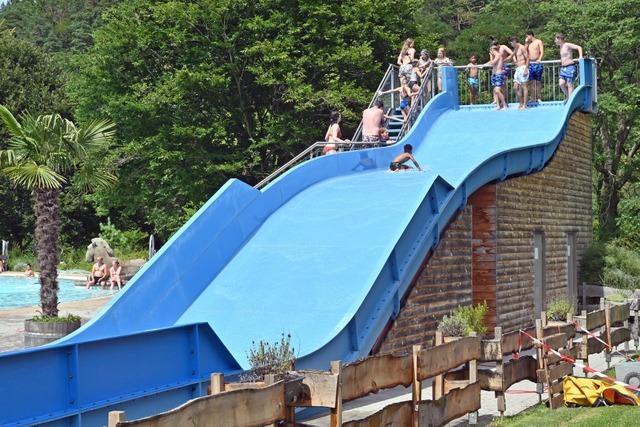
472 78
506 55
535 49
521 76
568 70
497 77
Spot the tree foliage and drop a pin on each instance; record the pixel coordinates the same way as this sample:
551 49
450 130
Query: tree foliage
208 90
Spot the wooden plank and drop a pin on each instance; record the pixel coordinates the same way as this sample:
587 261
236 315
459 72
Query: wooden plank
620 313
416 387
556 401
489 379
594 346
319 389
619 336
374 374
490 350
396 414
556 387
116 418
336 412
555 372
512 341
569 329
595 319
438 360
556 341
217 383
552 359
239 407
517 370
244 386
459 402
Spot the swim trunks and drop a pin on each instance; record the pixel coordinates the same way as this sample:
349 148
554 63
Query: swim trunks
535 71
394 166
405 72
505 69
568 73
404 103
474 82
497 80
519 75
371 138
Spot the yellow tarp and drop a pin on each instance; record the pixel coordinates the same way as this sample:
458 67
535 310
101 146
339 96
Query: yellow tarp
587 392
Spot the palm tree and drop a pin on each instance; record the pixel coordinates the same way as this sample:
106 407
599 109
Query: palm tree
43 154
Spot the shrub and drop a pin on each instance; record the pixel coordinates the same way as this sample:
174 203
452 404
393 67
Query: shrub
266 358
616 278
558 309
592 263
122 241
465 320
615 298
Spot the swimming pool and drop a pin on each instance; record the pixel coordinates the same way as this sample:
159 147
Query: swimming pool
22 291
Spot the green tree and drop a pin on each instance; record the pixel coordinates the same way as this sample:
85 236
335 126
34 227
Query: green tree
206 90
43 154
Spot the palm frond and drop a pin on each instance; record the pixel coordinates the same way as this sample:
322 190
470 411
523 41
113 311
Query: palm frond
96 135
7 158
10 122
90 177
33 176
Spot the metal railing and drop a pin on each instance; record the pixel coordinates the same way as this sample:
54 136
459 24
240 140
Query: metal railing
549 91
392 100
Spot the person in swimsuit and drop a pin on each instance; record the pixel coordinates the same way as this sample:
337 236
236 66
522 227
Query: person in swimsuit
424 63
441 61
98 273
506 56
114 275
405 60
473 78
568 70
334 133
372 119
521 76
28 272
535 49
497 77
398 164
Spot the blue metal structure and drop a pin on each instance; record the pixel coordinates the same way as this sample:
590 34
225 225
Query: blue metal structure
325 252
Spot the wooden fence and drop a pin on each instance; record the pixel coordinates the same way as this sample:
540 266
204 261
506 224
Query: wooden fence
452 363
252 404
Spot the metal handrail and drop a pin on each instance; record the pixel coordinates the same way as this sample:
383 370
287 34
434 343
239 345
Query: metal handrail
390 73
418 103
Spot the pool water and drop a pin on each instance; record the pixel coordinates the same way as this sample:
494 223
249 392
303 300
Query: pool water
23 291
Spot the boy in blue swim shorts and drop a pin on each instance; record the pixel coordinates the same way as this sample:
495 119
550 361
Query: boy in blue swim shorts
535 48
473 78
497 77
568 69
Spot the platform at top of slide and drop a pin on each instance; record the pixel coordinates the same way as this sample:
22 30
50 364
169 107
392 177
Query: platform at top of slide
325 253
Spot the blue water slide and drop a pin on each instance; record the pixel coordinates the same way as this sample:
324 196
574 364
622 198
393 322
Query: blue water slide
324 253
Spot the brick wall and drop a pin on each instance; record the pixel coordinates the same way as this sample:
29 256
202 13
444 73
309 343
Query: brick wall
556 200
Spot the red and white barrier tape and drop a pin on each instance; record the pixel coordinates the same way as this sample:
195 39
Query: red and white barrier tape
579 364
611 349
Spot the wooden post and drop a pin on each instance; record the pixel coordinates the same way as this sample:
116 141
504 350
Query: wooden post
438 380
416 389
473 377
116 417
626 343
636 336
543 317
584 296
607 331
541 359
585 342
602 303
217 383
336 413
500 399
569 321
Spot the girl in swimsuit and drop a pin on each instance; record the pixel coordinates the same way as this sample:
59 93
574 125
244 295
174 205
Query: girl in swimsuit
405 60
114 275
441 61
334 133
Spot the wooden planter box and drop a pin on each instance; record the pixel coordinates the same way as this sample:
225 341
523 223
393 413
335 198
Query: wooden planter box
40 333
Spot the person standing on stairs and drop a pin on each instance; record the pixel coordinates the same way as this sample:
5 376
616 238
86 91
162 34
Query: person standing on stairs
405 61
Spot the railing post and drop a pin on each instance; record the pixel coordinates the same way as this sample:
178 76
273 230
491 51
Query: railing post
438 381
473 377
336 413
500 399
416 390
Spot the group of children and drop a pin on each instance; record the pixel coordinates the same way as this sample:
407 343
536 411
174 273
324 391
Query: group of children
527 77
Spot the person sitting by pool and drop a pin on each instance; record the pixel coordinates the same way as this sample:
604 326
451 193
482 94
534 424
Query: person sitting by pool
398 164
98 273
28 272
1 265
114 275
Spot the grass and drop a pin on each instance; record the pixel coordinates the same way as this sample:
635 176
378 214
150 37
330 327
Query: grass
539 415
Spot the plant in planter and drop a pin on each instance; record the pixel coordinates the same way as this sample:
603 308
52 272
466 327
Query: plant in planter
464 320
45 154
557 310
270 358
44 329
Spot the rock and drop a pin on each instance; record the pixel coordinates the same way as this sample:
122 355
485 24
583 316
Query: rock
99 248
130 268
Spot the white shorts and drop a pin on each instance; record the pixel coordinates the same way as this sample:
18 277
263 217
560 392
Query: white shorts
519 76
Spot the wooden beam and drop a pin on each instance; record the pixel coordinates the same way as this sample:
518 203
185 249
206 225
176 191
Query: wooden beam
620 335
416 388
116 418
437 386
556 401
569 329
336 412
457 403
396 414
442 358
239 407
620 313
319 389
373 374
512 341
517 370
491 350
556 341
217 383
555 373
